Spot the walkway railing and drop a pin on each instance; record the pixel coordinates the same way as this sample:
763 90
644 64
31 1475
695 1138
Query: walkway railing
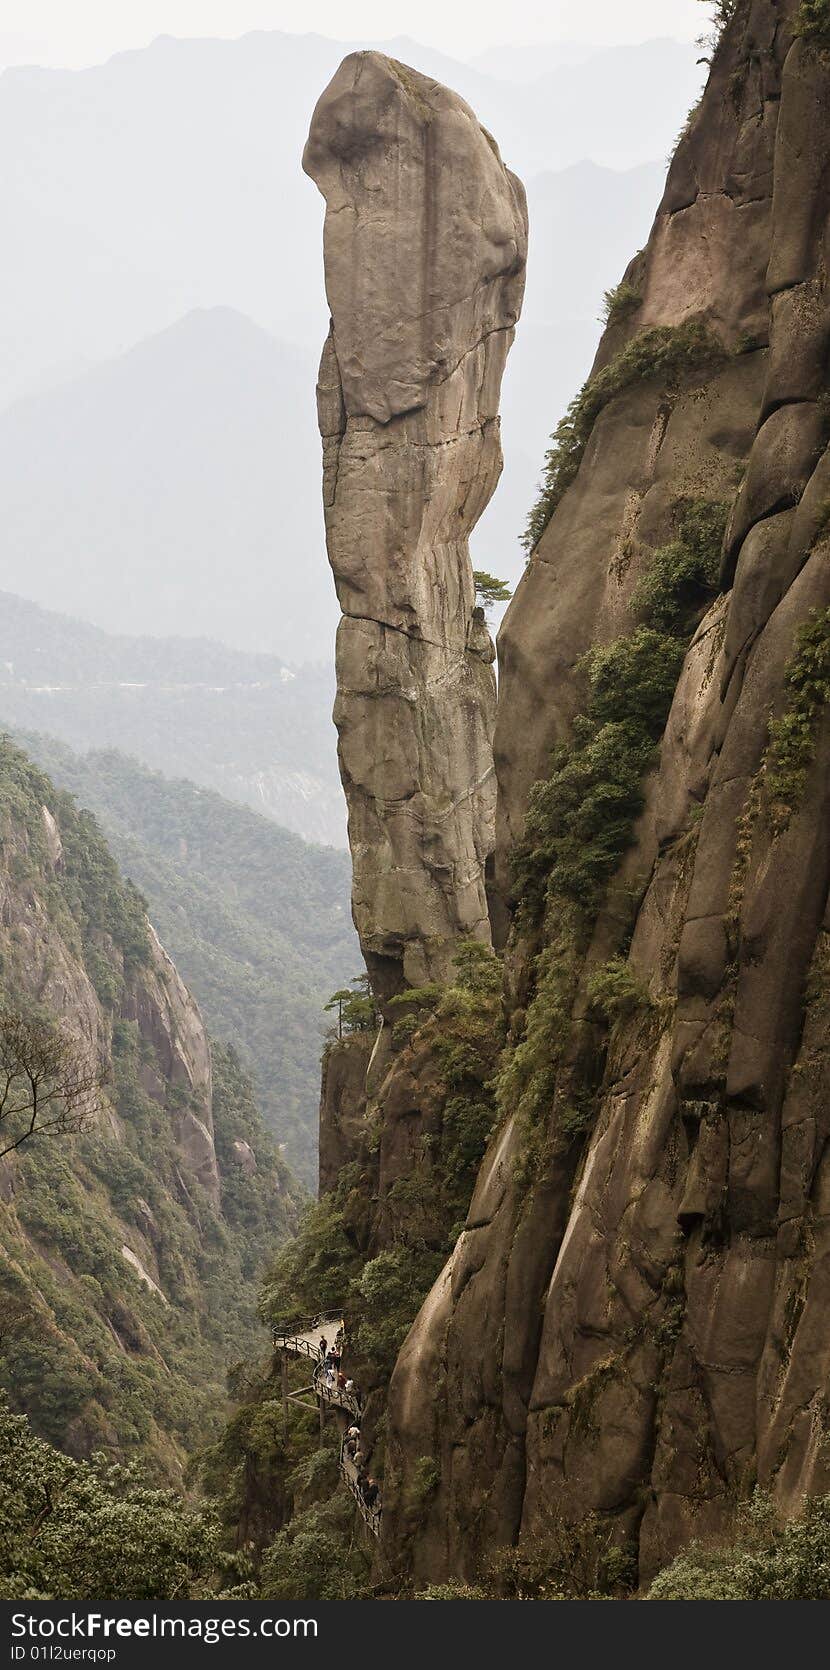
303 1339
336 1395
371 1516
305 1325
297 1345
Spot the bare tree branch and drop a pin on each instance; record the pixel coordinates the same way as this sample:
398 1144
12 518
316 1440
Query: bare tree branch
48 1086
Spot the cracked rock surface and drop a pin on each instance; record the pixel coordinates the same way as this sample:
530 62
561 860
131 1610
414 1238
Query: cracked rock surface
425 247
641 1331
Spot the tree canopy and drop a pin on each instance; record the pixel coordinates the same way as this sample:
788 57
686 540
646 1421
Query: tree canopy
489 590
356 1010
94 1530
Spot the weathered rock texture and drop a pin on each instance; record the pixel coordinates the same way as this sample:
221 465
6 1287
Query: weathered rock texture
425 244
342 1105
170 1024
642 1329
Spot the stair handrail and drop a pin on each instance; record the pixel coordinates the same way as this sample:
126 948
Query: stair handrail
370 1516
290 1338
300 1347
336 1394
306 1324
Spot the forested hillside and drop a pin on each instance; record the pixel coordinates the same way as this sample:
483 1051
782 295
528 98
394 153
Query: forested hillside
247 725
132 1238
256 920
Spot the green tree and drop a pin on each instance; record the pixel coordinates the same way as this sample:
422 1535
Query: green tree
356 1010
74 1530
489 590
766 1560
315 1557
479 969
721 12
813 22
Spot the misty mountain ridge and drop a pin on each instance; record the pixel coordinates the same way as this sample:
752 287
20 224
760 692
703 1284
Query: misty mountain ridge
56 650
175 489
248 726
168 215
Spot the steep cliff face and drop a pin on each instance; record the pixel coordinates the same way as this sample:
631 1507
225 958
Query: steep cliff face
107 958
342 1105
633 1323
425 244
128 1252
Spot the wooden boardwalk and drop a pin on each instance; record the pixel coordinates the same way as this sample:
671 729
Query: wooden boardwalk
304 1339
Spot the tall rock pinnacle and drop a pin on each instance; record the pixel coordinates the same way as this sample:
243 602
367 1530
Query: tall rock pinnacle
425 247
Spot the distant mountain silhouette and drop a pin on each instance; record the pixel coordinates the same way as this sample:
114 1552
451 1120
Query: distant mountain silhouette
162 314
169 178
247 725
175 489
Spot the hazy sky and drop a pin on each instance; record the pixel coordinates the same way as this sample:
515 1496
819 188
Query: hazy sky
77 32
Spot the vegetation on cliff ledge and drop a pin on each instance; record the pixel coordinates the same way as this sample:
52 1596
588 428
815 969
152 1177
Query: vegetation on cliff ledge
766 1561
580 822
813 22
792 736
619 303
670 353
580 818
682 577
